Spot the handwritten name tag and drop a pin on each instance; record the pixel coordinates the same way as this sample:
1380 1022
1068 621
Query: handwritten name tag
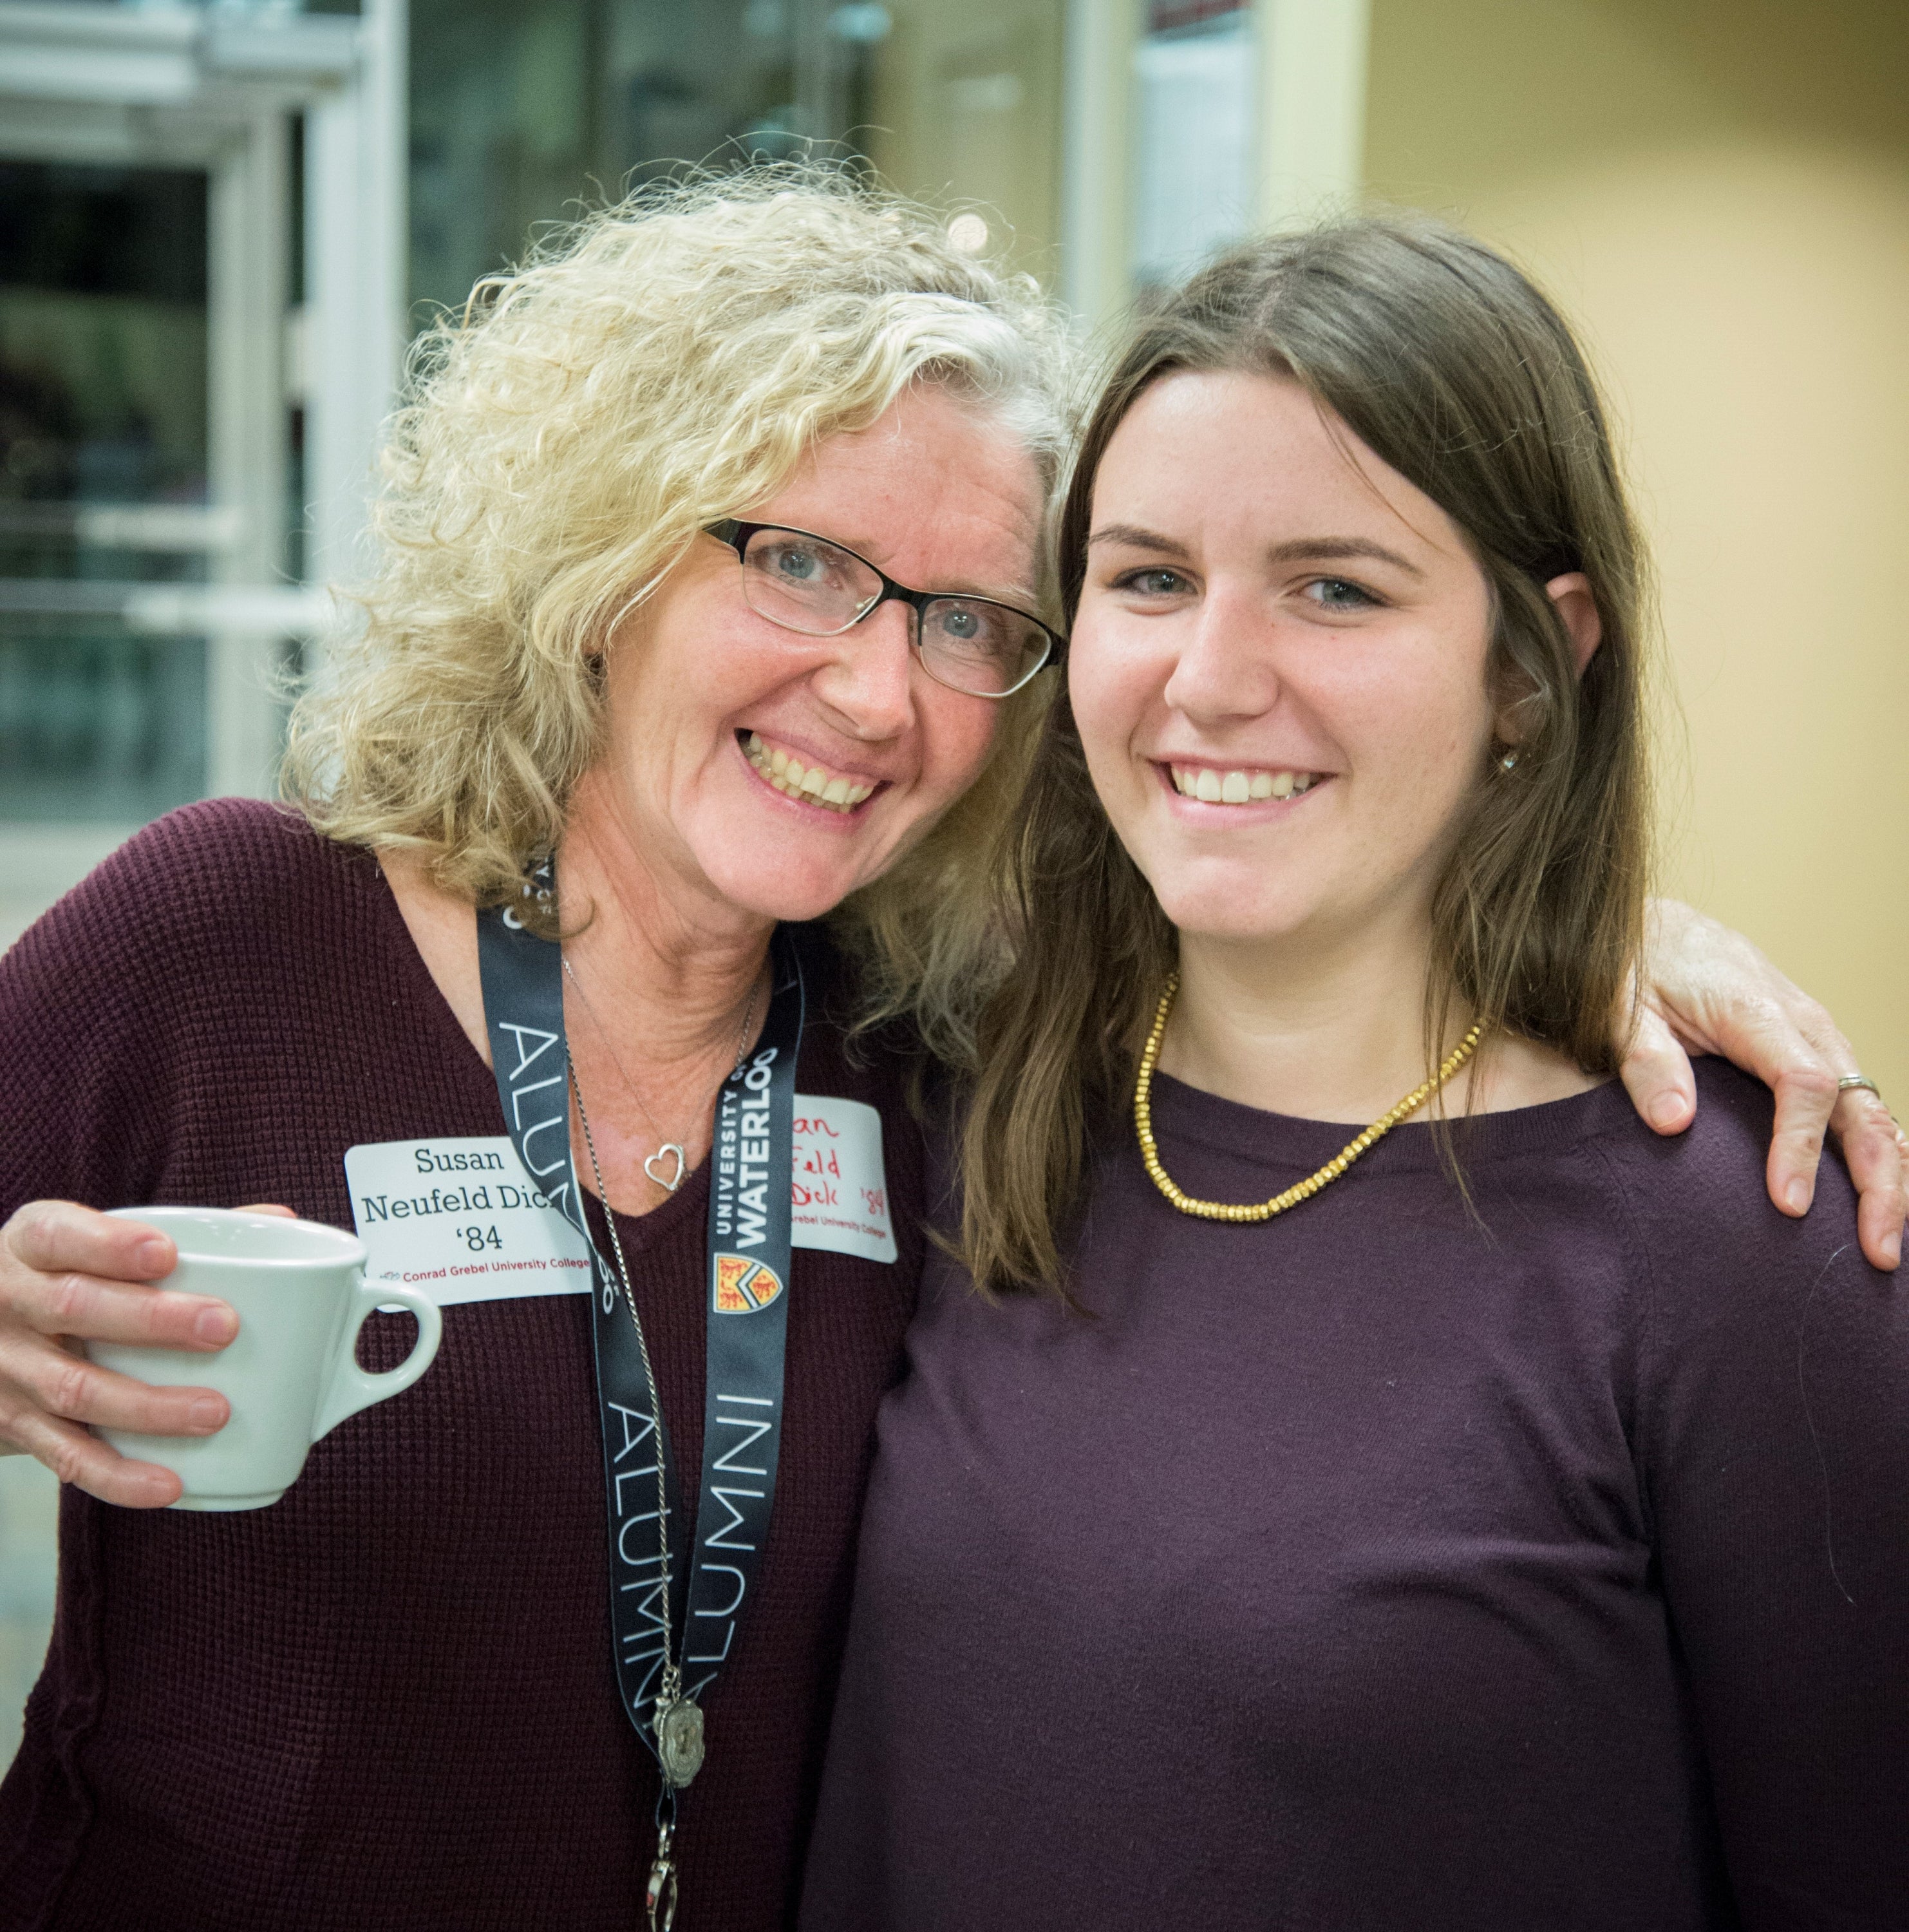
459 1218
841 1197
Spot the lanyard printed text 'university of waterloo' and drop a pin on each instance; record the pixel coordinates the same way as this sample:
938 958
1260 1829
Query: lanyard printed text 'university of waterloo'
746 1309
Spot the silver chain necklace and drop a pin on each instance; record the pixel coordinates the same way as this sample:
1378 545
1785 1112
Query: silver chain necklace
629 1293
673 1150
678 1723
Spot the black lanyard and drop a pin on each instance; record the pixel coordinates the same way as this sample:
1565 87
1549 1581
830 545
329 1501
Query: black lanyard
747 1314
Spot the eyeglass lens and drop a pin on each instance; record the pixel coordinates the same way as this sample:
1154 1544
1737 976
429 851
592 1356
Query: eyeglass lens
806 585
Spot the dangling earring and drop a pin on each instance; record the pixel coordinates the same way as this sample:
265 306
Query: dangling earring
1508 762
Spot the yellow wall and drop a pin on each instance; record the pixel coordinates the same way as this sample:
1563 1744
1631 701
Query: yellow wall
1718 192
967 107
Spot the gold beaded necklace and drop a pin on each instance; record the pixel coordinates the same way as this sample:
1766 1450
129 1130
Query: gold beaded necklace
1304 1190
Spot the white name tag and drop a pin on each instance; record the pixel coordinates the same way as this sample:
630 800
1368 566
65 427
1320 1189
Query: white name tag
459 1219
841 1197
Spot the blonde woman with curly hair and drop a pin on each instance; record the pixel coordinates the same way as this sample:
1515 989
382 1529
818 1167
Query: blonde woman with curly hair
388 1699
709 604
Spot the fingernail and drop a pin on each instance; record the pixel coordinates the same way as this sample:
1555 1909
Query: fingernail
1666 1110
217 1325
1796 1195
207 1413
1892 1250
155 1257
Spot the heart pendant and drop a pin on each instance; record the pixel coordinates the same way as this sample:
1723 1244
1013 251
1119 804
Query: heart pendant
669 1182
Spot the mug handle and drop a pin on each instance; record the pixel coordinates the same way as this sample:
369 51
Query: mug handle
351 1388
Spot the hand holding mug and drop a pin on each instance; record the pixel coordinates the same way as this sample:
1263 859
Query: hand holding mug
291 1374
70 1275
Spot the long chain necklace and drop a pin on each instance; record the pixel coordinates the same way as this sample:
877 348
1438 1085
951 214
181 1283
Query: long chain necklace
1303 1190
666 1149
678 1721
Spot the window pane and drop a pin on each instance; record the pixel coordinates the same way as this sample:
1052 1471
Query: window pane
103 443
95 726
525 111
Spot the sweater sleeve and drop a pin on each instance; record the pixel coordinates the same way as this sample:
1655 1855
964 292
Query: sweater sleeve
82 1012
1773 1433
110 1003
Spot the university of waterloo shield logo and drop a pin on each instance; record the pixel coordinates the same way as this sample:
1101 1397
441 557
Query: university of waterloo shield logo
743 1286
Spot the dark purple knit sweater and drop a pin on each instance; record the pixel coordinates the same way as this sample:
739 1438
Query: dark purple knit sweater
1373 1571
388 1701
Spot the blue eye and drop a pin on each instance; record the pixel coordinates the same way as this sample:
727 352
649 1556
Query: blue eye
1157 583
975 629
797 562
1335 593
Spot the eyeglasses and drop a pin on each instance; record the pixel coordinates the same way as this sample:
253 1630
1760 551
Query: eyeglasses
806 584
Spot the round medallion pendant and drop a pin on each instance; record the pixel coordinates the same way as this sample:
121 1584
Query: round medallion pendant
679 1740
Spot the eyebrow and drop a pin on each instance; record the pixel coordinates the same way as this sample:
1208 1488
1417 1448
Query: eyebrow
1332 550
1301 550
1133 537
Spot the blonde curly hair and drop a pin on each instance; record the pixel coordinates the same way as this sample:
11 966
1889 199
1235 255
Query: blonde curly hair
658 366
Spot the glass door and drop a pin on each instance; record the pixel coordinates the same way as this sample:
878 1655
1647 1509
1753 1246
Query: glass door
147 441
104 460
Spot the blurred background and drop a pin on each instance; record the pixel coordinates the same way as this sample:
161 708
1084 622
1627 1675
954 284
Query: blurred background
219 223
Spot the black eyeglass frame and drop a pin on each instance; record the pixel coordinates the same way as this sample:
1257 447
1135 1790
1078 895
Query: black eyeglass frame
737 535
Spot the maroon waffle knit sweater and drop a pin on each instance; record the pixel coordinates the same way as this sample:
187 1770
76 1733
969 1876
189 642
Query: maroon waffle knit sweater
388 1700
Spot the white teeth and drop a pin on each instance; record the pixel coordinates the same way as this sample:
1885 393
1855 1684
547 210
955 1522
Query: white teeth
1239 787
811 783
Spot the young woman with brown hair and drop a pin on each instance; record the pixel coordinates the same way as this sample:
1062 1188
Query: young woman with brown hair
1330 1514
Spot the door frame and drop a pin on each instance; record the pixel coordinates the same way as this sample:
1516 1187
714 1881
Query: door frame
219 90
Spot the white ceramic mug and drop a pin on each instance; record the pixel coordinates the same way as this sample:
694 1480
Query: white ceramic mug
291 1373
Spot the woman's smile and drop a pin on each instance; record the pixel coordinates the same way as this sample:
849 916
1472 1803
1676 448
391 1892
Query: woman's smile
1231 786
809 783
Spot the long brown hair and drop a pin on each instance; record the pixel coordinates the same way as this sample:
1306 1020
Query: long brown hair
1445 361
